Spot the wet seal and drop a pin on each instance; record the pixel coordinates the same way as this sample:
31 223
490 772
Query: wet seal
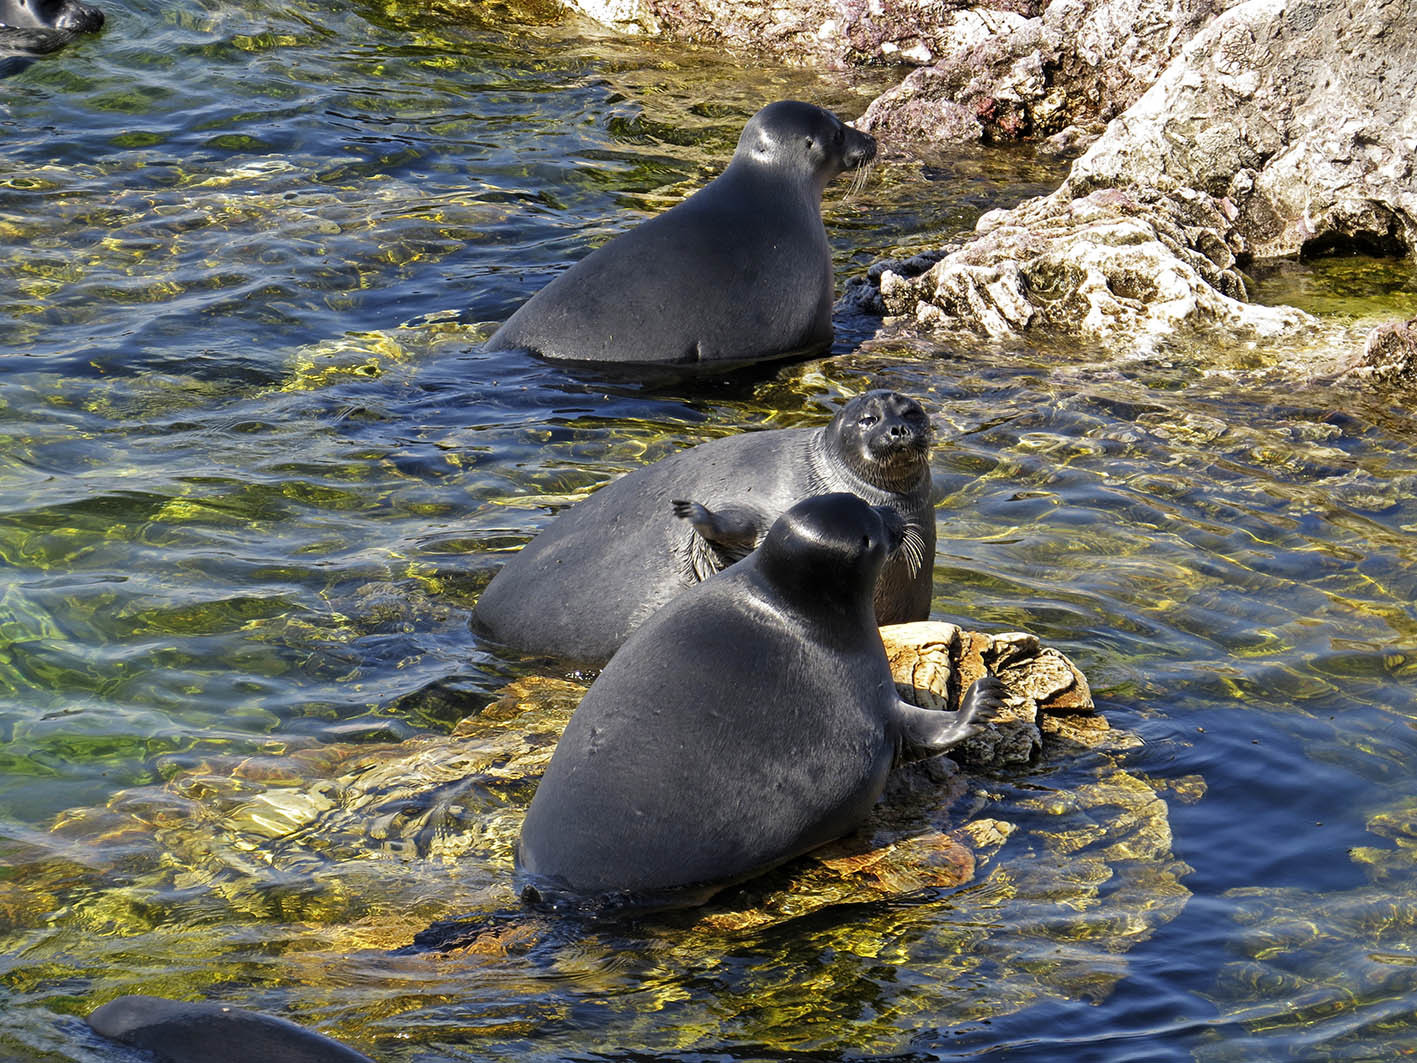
179 1031
594 574
752 719
739 272
32 28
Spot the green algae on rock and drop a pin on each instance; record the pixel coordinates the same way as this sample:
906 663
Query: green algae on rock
332 854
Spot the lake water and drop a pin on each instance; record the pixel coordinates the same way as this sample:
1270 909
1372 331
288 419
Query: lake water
255 469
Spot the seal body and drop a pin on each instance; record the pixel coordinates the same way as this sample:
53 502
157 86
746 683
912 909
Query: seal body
599 569
32 28
747 722
178 1031
68 15
737 273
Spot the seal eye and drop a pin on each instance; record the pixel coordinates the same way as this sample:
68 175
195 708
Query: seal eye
867 420
840 136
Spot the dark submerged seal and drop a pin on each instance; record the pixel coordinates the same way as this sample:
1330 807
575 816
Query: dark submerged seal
737 273
752 719
599 569
177 1031
30 28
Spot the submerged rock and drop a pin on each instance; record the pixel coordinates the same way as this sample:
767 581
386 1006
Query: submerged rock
303 868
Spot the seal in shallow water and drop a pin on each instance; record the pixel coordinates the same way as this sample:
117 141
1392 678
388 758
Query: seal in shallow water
179 1031
599 569
50 15
752 719
739 272
32 28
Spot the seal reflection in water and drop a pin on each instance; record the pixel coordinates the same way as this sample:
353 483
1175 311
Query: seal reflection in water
739 272
599 569
749 721
178 1031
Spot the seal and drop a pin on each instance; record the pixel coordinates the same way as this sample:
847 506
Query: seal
578 589
178 1031
31 28
739 272
749 721
50 15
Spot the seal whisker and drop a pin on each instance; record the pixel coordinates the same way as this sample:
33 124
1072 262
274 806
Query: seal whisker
912 548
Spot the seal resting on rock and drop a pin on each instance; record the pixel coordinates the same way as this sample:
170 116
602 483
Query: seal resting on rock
737 273
749 721
599 569
178 1031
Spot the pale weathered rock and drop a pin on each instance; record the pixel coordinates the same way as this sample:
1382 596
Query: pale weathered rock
1300 116
1272 133
935 662
1127 265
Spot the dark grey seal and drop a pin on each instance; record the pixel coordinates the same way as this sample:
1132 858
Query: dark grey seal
749 721
31 28
177 1031
599 569
737 273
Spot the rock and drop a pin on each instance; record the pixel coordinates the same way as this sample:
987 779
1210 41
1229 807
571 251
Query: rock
1269 135
1389 356
1128 266
1299 116
935 662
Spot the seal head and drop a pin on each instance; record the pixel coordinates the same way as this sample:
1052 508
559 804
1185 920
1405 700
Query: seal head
805 142
70 15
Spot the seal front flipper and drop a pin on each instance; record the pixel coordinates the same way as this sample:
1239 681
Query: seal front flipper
721 536
929 732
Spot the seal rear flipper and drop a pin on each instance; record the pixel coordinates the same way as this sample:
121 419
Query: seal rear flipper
929 732
721 537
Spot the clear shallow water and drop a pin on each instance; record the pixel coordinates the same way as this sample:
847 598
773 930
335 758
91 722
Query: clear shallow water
255 470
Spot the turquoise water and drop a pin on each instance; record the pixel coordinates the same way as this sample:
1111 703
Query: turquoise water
255 470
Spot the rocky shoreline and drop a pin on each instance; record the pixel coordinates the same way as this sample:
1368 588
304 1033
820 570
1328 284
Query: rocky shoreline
1216 134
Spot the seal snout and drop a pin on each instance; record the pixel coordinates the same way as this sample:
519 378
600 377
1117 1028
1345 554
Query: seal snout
860 149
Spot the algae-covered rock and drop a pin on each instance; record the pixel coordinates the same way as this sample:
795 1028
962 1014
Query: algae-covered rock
1389 355
310 868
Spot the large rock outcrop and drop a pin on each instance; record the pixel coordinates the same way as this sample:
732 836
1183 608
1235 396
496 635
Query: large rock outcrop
1283 127
990 70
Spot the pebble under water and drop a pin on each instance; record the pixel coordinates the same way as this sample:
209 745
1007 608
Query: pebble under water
255 470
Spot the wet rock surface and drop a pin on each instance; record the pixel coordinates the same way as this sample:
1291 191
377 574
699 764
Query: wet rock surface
934 664
332 855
